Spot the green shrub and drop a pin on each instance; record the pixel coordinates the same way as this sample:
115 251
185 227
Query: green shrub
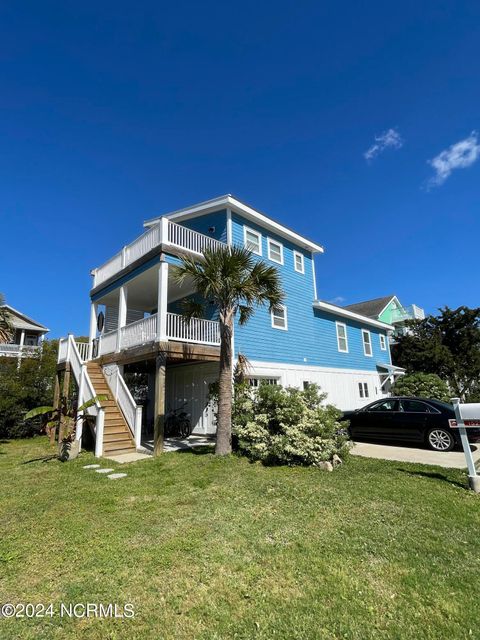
286 426
423 385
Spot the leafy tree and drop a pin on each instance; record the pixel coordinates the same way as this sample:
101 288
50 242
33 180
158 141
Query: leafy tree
448 345
425 385
6 330
237 283
25 387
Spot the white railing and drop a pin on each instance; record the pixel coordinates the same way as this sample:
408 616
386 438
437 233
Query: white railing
165 232
139 332
82 350
195 330
131 411
143 244
192 240
62 349
17 349
107 343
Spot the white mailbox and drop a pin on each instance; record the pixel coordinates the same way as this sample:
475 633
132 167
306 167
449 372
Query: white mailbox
467 416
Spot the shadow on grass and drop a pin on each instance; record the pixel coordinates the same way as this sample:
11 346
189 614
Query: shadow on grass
198 451
42 459
433 475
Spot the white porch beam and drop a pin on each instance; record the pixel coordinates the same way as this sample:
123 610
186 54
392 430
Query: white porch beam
162 302
122 314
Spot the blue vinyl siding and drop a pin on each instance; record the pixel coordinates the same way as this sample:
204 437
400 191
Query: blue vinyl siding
311 338
203 224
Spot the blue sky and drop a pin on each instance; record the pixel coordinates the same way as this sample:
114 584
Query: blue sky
114 112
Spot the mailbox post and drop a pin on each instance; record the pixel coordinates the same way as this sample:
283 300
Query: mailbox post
468 415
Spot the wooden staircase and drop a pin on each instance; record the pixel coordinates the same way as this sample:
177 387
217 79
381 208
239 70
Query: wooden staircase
117 437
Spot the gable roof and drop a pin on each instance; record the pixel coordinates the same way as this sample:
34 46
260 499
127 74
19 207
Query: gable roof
21 321
231 202
371 308
352 315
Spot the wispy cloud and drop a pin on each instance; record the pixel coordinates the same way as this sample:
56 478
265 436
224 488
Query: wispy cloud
460 155
338 300
388 139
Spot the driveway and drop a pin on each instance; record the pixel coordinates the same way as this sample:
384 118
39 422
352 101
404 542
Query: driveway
451 459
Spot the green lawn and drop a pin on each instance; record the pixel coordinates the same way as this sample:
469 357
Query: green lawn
210 548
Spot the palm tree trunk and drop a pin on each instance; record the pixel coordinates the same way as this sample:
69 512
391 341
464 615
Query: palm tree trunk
224 415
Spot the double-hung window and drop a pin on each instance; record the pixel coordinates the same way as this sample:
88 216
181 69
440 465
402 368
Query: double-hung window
298 262
275 251
363 389
342 339
383 342
252 240
367 342
279 318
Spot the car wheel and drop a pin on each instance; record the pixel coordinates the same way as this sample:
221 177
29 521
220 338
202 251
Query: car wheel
440 439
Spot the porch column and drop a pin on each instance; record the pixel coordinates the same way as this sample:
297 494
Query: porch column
159 415
162 302
22 338
93 328
122 314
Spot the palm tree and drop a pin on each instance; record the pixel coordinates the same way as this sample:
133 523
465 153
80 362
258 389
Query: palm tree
235 282
6 329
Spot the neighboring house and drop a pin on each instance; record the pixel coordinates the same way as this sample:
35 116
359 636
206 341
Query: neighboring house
390 310
136 325
27 335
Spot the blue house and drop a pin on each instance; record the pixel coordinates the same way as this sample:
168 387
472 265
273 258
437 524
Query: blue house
139 338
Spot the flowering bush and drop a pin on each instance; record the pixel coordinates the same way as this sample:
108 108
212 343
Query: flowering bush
286 426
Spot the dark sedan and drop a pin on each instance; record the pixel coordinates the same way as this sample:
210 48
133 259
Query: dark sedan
415 420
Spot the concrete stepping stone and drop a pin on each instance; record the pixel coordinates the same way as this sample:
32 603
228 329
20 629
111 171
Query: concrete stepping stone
115 476
103 470
91 466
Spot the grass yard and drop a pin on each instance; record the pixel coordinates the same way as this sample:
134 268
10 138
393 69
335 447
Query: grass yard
210 548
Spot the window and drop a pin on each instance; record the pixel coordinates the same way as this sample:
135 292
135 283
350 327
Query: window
306 384
279 318
342 339
383 342
252 240
275 251
363 389
256 382
385 405
367 342
414 406
298 262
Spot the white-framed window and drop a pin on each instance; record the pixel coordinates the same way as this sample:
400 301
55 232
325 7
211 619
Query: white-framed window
363 389
279 318
298 262
342 338
255 382
367 342
383 342
252 240
275 251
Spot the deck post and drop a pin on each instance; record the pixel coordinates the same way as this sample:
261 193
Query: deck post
65 394
162 302
159 417
122 315
56 404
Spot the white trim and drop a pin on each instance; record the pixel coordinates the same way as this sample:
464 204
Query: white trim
223 202
284 308
229 228
341 311
300 255
344 337
314 278
364 333
390 302
245 242
270 241
383 341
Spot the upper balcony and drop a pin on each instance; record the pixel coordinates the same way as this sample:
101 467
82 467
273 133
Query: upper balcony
407 313
19 351
167 234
